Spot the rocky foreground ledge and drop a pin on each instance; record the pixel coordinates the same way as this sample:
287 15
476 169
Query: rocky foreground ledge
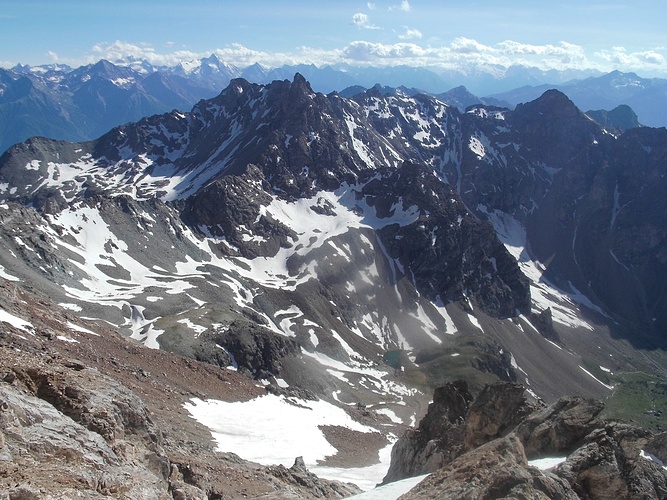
498 445
86 414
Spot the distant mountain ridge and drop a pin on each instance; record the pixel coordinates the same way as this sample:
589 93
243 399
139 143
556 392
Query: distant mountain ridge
60 102
646 96
621 118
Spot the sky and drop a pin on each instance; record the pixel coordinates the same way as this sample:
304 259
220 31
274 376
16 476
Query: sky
448 34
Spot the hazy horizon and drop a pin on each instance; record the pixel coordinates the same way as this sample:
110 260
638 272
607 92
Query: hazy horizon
602 36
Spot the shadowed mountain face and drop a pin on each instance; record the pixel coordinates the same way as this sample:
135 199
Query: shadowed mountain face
291 232
618 120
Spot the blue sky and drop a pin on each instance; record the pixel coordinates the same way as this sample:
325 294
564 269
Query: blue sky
605 35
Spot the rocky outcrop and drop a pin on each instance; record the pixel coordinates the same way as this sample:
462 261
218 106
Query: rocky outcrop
481 448
456 423
560 427
255 348
72 414
300 477
609 465
229 209
495 470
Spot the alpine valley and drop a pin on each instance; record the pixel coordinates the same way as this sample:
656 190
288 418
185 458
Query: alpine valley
195 301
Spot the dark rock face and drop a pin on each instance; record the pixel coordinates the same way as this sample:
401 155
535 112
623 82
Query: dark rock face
230 209
250 347
618 120
489 440
448 252
420 451
456 423
256 348
577 191
494 470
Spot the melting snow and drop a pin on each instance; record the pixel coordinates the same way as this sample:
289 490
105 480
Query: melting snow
80 329
392 416
273 429
595 378
475 322
364 477
547 462
198 329
648 456
4 274
390 491
15 321
375 378
67 339
449 324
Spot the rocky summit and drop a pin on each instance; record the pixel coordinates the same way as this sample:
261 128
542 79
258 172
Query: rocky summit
204 296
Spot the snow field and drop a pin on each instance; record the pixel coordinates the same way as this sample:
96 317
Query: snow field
273 429
372 378
390 491
364 477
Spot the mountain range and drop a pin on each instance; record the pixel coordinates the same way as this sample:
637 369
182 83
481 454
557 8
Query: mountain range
60 102
646 96
343 257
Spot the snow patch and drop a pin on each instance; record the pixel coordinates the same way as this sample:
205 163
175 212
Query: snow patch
15 321
80 329
4 274
648 456
272 429
67 339
546 463
610 387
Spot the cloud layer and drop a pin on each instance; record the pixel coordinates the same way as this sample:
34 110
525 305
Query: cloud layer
460 54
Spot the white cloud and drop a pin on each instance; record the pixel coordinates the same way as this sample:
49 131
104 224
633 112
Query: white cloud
404 6
371 6
53 56
564 48
460 54
383 53
469 46
362 21
620 56
410 34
